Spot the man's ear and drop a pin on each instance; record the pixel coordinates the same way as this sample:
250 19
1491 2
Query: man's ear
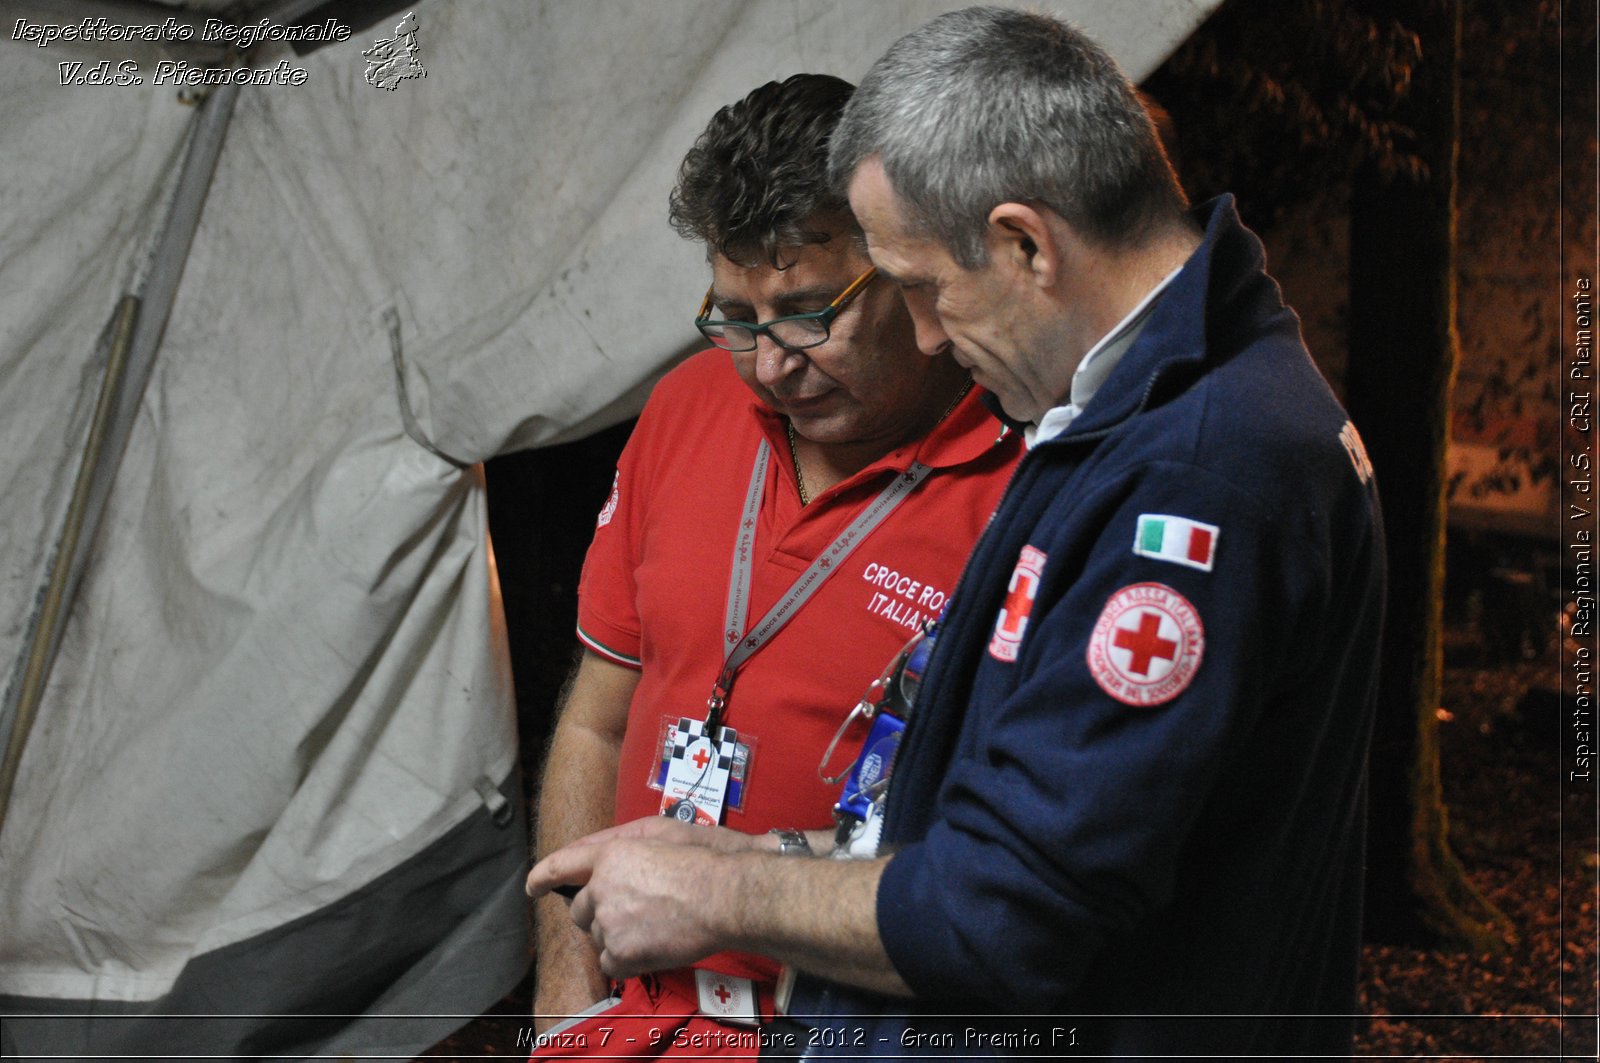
1021 236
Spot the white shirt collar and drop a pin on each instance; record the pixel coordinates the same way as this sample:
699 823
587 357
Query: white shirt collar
1095 367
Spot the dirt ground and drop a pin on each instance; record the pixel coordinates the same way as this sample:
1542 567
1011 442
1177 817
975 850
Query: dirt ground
1529 847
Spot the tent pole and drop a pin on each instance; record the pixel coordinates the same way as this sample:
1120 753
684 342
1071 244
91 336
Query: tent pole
139 325
50 610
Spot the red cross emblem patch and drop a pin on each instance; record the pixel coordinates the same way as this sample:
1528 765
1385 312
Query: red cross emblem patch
1147 644
1012 620
609 510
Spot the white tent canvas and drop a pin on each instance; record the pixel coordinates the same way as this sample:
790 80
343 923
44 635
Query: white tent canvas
272 770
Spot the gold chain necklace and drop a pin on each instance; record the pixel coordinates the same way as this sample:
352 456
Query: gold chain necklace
794 451
794 456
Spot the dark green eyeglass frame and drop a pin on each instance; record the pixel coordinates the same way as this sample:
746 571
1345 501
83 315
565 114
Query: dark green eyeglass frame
823 318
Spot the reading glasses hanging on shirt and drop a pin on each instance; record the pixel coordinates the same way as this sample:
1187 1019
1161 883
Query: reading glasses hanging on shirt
794 332
891 694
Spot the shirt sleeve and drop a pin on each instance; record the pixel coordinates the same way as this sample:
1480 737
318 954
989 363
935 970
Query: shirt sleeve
1072 798
608 613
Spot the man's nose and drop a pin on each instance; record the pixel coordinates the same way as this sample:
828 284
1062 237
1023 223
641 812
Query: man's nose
932 339
775 362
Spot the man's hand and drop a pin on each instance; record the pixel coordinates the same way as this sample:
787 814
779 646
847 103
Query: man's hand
651 896
655 893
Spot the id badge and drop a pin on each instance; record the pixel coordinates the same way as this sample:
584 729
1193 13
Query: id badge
698 772
869 776
738 772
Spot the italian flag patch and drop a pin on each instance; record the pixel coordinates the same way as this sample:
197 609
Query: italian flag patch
1176 539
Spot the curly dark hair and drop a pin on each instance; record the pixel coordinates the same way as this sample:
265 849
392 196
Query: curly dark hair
756 182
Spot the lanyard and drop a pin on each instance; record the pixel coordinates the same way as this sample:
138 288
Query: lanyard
743 647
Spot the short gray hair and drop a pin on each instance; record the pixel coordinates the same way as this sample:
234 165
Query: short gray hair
987 106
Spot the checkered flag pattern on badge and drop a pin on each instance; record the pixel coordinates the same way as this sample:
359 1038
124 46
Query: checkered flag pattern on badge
727 748
691 731
688 732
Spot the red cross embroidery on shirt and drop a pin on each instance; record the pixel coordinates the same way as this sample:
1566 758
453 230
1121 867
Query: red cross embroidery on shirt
1016 607
700 757
1011 621
722 993
1145 644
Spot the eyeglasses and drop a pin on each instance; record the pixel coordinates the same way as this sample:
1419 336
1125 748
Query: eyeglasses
795 332
894 693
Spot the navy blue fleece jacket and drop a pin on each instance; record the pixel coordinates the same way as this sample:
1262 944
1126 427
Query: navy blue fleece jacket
1073 838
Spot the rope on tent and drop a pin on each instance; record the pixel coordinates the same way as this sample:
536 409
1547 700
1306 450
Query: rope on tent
143 318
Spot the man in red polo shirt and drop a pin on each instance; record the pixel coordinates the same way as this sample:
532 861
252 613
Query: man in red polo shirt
794 504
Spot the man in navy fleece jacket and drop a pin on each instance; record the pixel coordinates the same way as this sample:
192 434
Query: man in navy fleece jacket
1130 802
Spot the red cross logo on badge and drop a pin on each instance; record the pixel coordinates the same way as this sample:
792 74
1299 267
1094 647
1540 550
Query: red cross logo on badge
1147 644
1012 620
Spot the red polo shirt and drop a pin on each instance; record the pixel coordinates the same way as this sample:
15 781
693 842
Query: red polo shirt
655 582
